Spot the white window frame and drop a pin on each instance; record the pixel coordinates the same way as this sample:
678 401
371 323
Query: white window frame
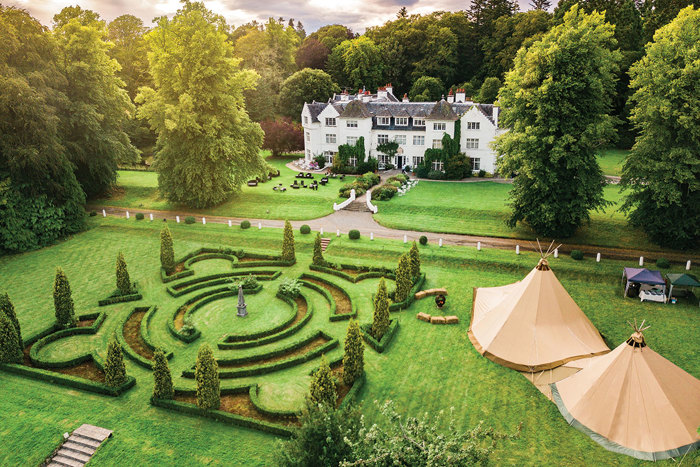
381 139
400 139
417 160
476 164
306 119
351 124
351 140
308 136
438 165
384 159
401 121
384 121
418 122
471 143
418 140
352 161
331 138
329 156
439 126
330 121
437 144
473 125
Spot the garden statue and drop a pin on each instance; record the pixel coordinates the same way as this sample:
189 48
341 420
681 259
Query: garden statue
440 301
242 307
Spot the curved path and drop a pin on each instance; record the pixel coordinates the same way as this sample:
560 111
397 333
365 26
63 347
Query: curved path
365 223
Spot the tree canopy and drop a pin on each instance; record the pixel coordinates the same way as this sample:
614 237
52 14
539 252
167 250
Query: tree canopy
305 86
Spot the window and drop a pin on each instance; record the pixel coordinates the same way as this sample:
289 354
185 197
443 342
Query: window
351 124
306 119
352 140
384 159
308 136
419 140
352 161
401 121
308 153
381 139
439 126
438 165
418 122
476 164
472 143
330 138
330 121
401 139
472 125
417 160
383 121
329 156
437 144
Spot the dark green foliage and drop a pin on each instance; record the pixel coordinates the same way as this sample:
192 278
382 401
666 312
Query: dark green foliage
163 381
577 255
322 390
306 85
384 192
8 308
380 319
436 175
305 229
455 163
10 348
341 161
426 89
404 280
482 173
318 252
489 91
123 281
245 225
62 300
354 354
190 220
423 240
354 234
414 260
206 373
115 369
167 253
663 263
288 243
250 282
139 216
289 288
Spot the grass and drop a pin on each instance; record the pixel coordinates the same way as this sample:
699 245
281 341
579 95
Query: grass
426 368
612 160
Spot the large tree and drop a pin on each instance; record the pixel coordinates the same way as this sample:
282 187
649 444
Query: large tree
426 89
127 34
663 169
357 63
97 108
305 86
207 145
555 103
312 54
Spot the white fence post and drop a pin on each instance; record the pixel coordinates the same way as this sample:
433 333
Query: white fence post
405 238
440 242
337 233
517 249
204 221
177 219
151 216
104 213
597 258
371 235
127 214
641 260
259 225
687 266
229 222
321 231
478 246
556 252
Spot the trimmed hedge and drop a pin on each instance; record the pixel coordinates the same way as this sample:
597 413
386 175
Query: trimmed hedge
577 255
379 346
131 353
218 279
74 331
260 407
245 225
663 263
117 297
411 296
139 216
189 220
372 273
266 332
355 389
305 229
164 277
265 260
423 240
146 335
334 315
354 234
275 352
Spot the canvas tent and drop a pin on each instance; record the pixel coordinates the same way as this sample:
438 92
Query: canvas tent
642 276
532 325
633 401
681 280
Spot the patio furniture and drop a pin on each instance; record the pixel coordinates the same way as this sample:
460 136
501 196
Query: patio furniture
652 295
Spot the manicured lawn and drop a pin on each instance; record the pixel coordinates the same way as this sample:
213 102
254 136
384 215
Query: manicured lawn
426 367
612 160
140 190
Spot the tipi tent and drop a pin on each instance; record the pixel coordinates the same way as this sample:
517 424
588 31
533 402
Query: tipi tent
633 401
532 325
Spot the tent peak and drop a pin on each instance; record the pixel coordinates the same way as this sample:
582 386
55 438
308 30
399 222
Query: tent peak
637 337
542 265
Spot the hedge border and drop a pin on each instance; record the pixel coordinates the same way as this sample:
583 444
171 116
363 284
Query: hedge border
228 338
383 344
273 337
146 334
260 407
186 272
113 299
42 342
323 291
275 352
354 279
335 316
356 385
131 353
397 306
217 279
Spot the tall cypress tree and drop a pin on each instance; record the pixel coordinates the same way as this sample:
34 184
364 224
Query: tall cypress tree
354 356
414 260
288 243
8 308
123 280
10 350
63 300
322 390
318 251
380 319
206 374
163 380
115 369
404 280
167 254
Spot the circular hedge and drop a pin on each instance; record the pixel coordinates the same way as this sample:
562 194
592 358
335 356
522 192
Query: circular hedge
245 225
305 229
189 220
354 234
577 255
423 240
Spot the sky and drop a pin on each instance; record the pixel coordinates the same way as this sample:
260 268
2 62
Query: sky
357 14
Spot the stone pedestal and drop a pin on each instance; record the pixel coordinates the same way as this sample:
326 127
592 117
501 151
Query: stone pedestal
242 307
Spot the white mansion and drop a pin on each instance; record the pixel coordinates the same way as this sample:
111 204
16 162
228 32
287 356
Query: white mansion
415 126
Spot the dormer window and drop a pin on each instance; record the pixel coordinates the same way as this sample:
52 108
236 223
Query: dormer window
383 121
418 122
330 121
439 126
401 121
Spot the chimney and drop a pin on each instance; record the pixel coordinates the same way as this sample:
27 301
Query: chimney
366 97
390 88
461 96
405 98
450 97
381 93
495 115
344 96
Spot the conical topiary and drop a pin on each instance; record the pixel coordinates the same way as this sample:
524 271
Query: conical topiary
322 390
414 259
404 281
8 308
288 243
354 356
206 374
63 300
380 319
163 380
318 252
123 280
115 370
10 349
167 254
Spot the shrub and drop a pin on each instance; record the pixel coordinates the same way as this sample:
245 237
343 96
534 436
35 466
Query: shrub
167 253
187 327
354 353
289 288
93 213
189 220
371 178
139 216
8 308
288 243
384 192
403 279
162 379
115 370
245 225
250 282
10 348
663 263
320 160
423 240
380 319
318 251
482 173
282 136
123 281
358 192
414 261
577 255
206 374
354 234
401 178
305 229
63 300
436 175
322 389
422 171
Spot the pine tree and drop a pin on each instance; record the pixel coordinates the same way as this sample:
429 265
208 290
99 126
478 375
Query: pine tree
8 308
288 243
115 370
543 5
414 257
167 255
318 252
10 350
380 319
123 280
62 300
403 279
354 356
206 374
322 390
163 381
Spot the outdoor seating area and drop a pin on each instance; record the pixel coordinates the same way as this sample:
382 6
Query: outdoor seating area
684 284
651 286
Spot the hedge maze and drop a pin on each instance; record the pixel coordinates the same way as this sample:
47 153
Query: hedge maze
281 339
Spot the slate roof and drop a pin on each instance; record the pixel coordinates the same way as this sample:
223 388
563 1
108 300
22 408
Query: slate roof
442 111
355 109
315 108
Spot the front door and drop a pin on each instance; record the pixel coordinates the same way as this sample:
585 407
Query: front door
399 162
